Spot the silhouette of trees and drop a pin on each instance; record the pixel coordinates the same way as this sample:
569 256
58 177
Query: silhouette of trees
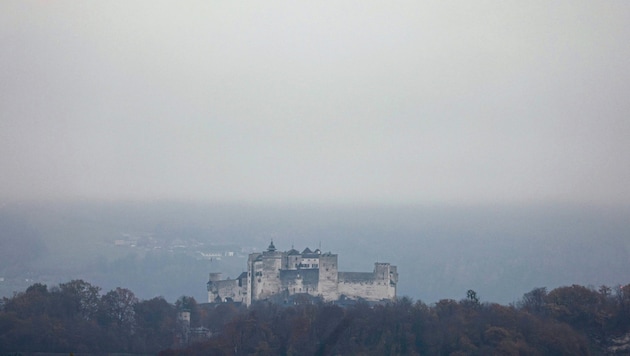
117 309
75 317
446 328
575 305
535 301
155 321
80 299
471 297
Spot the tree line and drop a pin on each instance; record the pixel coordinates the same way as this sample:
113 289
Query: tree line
77 317
571 320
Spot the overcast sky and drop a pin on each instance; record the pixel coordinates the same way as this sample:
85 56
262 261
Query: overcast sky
458 102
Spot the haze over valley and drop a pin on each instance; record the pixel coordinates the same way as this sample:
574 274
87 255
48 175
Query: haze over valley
168 249
476 146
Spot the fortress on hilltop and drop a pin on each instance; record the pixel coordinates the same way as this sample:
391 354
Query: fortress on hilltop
277 276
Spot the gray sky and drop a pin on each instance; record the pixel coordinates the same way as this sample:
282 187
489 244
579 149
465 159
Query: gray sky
326 101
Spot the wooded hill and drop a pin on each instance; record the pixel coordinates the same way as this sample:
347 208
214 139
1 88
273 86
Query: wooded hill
77 317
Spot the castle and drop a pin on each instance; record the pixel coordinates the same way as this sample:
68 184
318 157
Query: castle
277 276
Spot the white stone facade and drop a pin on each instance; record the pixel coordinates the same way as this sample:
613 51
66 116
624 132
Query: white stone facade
276 276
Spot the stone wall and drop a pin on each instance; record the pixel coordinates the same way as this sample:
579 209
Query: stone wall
227 290
375 286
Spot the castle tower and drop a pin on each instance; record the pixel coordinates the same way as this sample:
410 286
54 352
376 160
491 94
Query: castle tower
328 276
266 279
254 272
388 275
272 264
213 287
183 326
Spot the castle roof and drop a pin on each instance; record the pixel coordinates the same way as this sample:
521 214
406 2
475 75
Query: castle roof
271 247
307 250
293 252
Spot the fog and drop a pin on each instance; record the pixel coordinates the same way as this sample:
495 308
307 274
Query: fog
475 145
441 252
328 102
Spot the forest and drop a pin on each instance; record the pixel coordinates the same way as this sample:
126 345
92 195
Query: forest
76 317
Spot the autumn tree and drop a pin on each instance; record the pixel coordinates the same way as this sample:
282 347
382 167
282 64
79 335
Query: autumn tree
534 301
155 323
81 297
576 305
117 317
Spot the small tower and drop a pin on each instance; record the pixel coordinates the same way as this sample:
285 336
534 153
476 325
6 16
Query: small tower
271 247
213 287
183 326
387 274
